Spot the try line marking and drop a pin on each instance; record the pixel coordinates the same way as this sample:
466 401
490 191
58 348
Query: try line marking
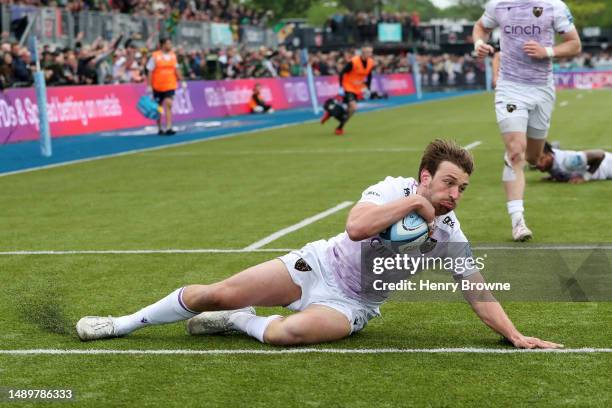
275 250
308 351
295 227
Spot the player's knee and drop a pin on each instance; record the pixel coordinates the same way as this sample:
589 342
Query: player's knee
516 153
211 297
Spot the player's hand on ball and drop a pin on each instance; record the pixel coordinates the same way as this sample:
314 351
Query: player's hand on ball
525 342
425 209
535 50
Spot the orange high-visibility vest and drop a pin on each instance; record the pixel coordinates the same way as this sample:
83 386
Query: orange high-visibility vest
354 81
164 75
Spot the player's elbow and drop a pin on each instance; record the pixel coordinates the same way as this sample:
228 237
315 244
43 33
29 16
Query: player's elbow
356 230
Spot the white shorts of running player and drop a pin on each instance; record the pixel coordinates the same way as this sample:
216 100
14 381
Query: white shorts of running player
523 108
319 288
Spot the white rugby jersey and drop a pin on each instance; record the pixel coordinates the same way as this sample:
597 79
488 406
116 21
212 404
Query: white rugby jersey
344 255
571 163
521 21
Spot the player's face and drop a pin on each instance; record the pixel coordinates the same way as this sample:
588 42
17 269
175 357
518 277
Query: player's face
545 162
366 52
445 188
167 46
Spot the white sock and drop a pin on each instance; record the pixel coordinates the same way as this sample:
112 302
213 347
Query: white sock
167 310
516 210
254 326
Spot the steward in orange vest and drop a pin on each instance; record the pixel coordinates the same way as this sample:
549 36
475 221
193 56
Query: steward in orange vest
354 78
163 78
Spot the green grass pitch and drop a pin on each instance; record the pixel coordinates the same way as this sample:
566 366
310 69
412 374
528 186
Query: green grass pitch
229 193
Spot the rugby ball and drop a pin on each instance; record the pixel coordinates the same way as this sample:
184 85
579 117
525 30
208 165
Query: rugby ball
410 229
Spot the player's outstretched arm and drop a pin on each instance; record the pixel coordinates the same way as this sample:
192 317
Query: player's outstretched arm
493 315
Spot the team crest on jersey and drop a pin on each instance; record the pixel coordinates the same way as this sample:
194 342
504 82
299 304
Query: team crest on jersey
537 11
511 107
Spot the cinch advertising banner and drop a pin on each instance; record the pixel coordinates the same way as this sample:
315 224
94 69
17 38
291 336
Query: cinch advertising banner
79 110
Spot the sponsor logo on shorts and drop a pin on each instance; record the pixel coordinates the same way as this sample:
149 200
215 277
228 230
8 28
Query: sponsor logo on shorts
302 266
537 11
511 107
407 191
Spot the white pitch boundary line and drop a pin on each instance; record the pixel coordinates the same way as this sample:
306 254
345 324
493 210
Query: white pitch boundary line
146 251
272 250
472 145
295 227
305 351
211 138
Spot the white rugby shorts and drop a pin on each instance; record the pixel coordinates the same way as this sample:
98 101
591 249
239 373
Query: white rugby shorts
309 270
524 108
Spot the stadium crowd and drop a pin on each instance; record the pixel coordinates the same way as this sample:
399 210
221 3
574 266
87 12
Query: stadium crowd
108 62
226 11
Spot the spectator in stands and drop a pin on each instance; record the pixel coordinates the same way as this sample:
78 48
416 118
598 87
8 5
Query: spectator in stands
6 71
54 70
71 67
23 68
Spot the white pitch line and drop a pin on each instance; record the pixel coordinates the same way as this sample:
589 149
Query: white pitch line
305 351
540 247
295 227
146 251
273 250
472 145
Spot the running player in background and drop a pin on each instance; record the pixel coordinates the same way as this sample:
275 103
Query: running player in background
525 92
164 75
354 78
575 167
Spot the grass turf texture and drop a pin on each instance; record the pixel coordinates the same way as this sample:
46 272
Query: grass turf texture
187 197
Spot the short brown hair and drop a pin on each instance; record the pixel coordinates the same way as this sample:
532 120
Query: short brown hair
445 150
